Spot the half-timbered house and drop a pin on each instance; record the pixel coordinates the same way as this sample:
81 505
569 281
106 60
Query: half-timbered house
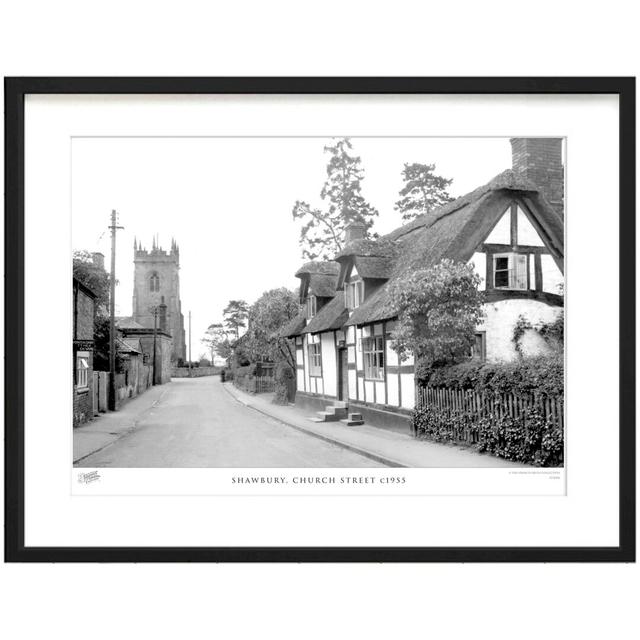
511 230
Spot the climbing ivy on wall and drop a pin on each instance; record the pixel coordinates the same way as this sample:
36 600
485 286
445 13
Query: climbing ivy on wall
552 332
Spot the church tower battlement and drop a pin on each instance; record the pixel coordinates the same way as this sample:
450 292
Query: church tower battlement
156 284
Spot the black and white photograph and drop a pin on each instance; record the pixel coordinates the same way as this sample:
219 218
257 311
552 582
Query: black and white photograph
364 320
336 302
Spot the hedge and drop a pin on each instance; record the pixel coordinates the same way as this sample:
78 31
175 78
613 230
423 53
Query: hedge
539 442
532 437
543 375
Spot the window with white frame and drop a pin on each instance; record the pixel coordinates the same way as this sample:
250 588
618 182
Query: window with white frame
312 306
510 271
353 294
315 359
82 369
373 353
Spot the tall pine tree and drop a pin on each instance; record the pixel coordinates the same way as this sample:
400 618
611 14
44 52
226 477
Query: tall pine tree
322 231
423 191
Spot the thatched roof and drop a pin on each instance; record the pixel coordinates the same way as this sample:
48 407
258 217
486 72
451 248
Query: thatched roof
319 277
294 327
332 316
321 267
454 231
369 247
323 286
508 179
370 267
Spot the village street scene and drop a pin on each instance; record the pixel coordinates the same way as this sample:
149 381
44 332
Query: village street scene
318 302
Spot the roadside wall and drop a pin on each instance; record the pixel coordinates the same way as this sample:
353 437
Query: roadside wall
196 372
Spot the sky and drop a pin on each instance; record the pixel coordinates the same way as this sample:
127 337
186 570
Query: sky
228 202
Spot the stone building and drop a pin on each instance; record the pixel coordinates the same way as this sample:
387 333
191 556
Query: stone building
156 285
141 339
84 301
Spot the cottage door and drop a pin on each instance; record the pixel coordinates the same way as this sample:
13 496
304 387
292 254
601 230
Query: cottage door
343 376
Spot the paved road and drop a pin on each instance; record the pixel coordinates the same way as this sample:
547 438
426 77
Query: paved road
196 423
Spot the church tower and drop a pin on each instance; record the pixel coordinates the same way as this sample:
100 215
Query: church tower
156 284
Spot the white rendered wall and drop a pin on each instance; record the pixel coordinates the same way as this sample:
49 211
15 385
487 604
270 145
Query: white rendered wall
393 392
500 321
479 262
300 362
501 233
407 382
329 370
552 277
305 350
527 235
359 363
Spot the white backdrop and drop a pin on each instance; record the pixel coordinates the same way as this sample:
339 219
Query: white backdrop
491 38
586 516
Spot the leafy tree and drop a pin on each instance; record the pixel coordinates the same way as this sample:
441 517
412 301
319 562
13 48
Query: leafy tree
97 279
438 308
91 275
235 316
217 341
267 317
322 231
423 191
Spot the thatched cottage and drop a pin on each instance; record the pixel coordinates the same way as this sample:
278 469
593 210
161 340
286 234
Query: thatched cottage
511 230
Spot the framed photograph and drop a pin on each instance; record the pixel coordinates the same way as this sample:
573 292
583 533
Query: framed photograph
320 319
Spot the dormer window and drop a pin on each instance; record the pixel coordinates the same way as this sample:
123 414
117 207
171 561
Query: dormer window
353 294
154 282
312 306
510 271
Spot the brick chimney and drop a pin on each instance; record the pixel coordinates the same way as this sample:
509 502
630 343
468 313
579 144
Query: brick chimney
355 230
540 160
98 259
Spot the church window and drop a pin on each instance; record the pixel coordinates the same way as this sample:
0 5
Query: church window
154 282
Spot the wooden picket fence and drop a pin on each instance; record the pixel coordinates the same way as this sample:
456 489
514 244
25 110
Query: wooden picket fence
477 405
260 384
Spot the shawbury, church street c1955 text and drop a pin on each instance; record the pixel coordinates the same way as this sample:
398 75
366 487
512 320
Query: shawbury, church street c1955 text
306 480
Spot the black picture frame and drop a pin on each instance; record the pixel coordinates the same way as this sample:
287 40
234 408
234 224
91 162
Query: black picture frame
15 91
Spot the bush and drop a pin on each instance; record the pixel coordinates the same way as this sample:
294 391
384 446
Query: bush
247 371
543 375
529 437
538 441
284 377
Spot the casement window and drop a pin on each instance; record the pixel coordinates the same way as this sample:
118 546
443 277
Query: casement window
479 348
373 353
353 294
312 305
510 271
315 359
82 369
154 282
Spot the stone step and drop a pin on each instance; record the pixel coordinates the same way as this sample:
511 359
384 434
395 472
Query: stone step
336 411
339 404
325 416
351 423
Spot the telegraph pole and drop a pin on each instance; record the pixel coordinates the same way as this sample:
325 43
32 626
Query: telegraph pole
112 314
189 343
155 336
